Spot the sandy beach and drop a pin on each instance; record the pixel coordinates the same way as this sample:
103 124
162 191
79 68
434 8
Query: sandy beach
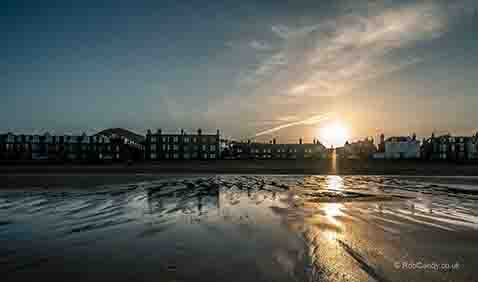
278 227
313 167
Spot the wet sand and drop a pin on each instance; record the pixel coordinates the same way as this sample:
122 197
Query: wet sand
238 228
313 167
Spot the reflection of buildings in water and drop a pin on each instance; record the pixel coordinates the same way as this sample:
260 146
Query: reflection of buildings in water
189 202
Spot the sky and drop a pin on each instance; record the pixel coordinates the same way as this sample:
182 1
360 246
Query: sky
254 69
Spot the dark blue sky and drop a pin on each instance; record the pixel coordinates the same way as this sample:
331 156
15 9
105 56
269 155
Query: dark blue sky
242 66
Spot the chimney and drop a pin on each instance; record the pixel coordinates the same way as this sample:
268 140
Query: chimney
148 132
300 140
159 131
218 132
249 141
274 141
182 131
199 131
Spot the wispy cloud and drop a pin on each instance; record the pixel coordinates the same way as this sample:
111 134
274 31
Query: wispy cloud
260 45
307 66
285 32
334 56
257 45
309 121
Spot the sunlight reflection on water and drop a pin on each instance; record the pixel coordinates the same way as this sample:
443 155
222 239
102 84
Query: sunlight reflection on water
279 228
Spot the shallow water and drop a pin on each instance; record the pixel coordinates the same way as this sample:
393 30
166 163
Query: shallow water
240 228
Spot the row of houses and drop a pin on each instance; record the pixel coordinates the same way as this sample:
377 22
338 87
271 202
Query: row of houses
445 147
452 148
272 150
109 146
182 146
68 147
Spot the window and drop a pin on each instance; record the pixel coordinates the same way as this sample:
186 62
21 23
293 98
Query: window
195 155
186 139
187 156
195 140
153 147
27 138
176 155
10 139
117 148
176 139
165 139
118 156
108 148
165 147
153 156
213 147
153 139
176 148
204 155
212 156
204 139
204 147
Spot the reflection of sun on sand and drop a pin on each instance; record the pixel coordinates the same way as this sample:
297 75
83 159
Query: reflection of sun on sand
357 236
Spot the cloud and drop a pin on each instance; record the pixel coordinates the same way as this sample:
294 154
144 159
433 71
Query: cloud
285 32
312 64
331 57
309 121
260 45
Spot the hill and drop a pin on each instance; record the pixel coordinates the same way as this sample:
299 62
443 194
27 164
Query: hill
123 133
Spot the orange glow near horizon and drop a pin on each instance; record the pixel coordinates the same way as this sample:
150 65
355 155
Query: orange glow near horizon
333 134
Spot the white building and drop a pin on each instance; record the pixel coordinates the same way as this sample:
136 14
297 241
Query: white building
402 148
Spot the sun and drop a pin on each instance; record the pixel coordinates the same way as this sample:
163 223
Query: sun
333 134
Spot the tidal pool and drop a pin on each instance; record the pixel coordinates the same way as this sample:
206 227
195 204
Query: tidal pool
238 228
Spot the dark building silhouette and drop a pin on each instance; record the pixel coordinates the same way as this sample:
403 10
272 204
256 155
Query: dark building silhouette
251 150
183 146
68 147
